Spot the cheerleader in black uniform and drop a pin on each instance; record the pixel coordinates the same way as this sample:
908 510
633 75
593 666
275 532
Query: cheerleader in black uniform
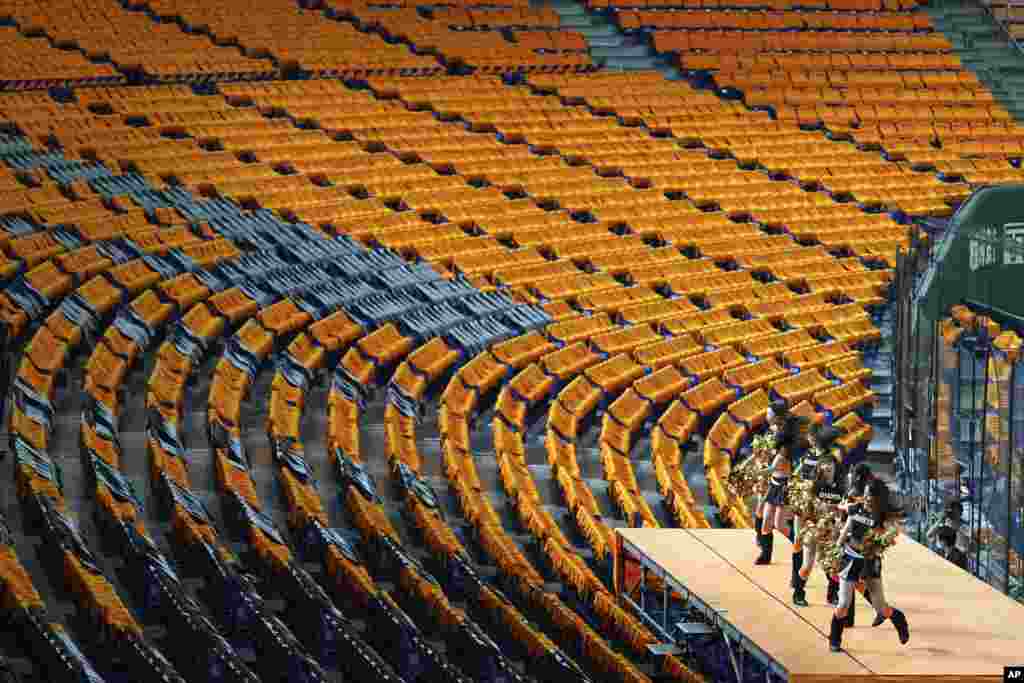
806 470
874 511
822 466
776 418
787 445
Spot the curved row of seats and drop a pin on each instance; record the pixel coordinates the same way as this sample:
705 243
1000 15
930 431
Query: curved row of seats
412 382
852 332
904 96
762 5
234 374
103 611
663 164
133 41
211 307
469 393
461 470
105 370
359 369
296 38
77 319
778 147
589 292
31 63
397 429
786 20
26 613
487 51
486 18
299 365
146 38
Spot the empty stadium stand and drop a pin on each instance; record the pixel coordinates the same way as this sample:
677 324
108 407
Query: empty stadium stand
341 335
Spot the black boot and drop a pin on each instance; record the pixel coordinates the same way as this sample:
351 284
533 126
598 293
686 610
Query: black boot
835 636
852 613
832 596
879 619
799 596
758 521
798 561
767 541
899 620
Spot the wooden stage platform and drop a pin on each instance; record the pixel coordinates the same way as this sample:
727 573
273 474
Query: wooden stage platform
961 629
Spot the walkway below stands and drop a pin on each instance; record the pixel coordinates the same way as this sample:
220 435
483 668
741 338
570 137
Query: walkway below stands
608 45
983 46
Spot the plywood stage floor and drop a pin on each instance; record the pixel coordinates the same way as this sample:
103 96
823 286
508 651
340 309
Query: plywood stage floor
961 629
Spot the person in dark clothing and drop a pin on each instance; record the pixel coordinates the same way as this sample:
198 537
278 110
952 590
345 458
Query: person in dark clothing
947 540
952 517
857 482
776 419
823 466
873 511
789 445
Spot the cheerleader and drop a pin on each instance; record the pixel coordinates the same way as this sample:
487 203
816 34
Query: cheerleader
788 445
823 466
806 471
776 418
858 480
874 511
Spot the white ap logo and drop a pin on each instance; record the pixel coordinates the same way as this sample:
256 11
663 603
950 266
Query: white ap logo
1015 233
983 254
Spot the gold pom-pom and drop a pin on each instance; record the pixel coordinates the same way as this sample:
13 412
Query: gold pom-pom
831 559
750 477
825 531
801 500
877 541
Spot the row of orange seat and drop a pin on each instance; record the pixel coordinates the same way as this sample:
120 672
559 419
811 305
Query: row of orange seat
773 21
752 42
773 5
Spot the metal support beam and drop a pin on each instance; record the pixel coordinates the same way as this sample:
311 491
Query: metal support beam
737 668
715 615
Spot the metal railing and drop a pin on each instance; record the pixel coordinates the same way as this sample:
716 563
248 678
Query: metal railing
959 406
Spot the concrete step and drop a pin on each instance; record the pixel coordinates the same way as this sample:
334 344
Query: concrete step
598 31
882 413
606 42
882 388
570 9
631 63
578 22
991 44
622 51
881 443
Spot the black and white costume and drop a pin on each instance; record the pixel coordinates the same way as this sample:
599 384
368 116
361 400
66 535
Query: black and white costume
860 520
776 418
789 439
819 466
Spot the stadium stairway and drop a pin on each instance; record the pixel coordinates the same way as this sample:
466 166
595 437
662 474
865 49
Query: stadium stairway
608 45
882 447
984 48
